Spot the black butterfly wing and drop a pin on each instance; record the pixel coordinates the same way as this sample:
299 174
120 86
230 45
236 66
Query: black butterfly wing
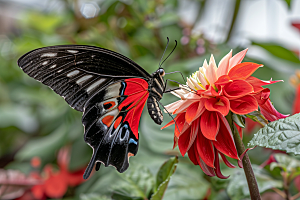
100 83
77 72
111 119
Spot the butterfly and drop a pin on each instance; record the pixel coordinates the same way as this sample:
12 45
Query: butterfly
109 88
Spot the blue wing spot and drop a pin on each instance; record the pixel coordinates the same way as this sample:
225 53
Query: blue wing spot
132 141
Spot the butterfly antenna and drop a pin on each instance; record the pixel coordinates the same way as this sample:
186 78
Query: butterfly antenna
169 115
163 53
170 53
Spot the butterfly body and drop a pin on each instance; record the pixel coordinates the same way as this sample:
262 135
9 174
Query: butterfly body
109 88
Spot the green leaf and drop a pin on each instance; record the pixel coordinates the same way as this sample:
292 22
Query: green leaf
279 51
239 120
163 177
285 162
258 117
138 184
238 188
283 134
187 183
93 196
45 146
288 2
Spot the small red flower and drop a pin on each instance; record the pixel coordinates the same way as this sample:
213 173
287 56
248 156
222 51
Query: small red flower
210 94
54 184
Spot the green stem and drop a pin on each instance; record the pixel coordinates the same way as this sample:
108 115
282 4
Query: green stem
236 10
251 180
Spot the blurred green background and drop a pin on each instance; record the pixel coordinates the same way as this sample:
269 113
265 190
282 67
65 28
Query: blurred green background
34 121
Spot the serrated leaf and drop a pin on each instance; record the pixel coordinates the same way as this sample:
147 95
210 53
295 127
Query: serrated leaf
138 184
163 177
285 162
238 188
283 134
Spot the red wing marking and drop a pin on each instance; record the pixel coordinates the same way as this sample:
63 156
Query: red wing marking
107 120
108 105
117 122
137 93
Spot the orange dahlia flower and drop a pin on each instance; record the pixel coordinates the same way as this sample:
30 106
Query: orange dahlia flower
209 95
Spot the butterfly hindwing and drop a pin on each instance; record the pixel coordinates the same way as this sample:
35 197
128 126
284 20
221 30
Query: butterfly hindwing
77 72
111 120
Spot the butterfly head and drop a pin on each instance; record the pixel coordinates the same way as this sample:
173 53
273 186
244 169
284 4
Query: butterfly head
161 72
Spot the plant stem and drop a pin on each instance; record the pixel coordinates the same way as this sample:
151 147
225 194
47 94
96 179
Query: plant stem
286 185
236 10
251 180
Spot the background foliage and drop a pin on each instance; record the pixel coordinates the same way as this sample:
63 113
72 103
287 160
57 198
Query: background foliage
34 121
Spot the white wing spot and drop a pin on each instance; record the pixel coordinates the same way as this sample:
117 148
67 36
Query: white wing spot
153 113
45 63
72 51
83 79
94 85
59 70
53 66
72 73
49 55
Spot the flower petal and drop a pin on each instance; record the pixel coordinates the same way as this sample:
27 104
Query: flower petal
243 71
223 67
210 124
175 142
191 112
239 129
205 150
211 71
194 112
182 107
262 96
56 185
269 112
243 105
193 154
220 104
202 79
237 58
206 169
224 141
217 167
226 161
171 108
237 88
197 86
205 65
184 141
257 83
222 80
296 106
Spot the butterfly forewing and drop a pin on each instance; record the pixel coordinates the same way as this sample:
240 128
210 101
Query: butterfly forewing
77 72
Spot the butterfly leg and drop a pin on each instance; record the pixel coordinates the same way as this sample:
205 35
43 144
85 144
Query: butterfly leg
165 91
169 114
177 72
